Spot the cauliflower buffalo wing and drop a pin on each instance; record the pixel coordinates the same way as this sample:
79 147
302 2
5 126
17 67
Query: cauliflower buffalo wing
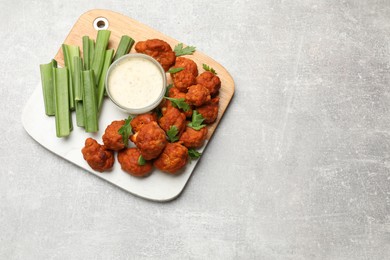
209 111
150 140
97 156
141 120
172 159
197 95
183 80
158 49
192 138
187 64
128 160
172 117
111 138
210 81
175 93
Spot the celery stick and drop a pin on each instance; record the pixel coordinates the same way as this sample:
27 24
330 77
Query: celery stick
69 52
71 95
48 86
91 51
102 80
77 68
63 118
86 52
78 90
89 102
100 49
124 46
79 106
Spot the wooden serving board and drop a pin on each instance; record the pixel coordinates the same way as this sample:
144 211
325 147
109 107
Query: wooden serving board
120 25
158 186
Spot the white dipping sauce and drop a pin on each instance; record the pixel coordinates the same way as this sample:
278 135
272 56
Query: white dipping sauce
135 83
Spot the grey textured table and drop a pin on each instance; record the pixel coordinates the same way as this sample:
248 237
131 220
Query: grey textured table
297 169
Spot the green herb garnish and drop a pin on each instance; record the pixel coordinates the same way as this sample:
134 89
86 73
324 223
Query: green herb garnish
175 70
180 51
167 90
197 120
126 130
141 160
208 68
194 154
172 134
179 103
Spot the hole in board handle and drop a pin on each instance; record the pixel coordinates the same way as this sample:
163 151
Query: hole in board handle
100 23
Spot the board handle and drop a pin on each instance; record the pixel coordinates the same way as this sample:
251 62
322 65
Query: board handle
101 23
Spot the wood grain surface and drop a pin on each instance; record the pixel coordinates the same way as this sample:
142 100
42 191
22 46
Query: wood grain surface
120 25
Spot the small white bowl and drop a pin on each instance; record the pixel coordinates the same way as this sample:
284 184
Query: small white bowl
150 105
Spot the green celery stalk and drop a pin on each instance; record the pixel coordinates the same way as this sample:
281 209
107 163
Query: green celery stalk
79 107
124 46
78 90
63 118
100 49
69 52
91 51
77 69
48 86
90 102
102 80
86 52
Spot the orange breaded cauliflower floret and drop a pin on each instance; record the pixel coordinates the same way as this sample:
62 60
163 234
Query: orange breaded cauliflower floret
209 111
192 138
141 120
197 95
210 81
111 138
175 93
128 160
150 140
158 49
182 80
97 156
187 64
172 117
172 159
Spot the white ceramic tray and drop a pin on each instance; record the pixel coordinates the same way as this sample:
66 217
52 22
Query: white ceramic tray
159 186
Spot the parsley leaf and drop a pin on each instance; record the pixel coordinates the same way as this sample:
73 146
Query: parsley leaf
141 160
179 50
197 120
208 68
167 90
175 70
125 131
179 103
194 154
172 134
